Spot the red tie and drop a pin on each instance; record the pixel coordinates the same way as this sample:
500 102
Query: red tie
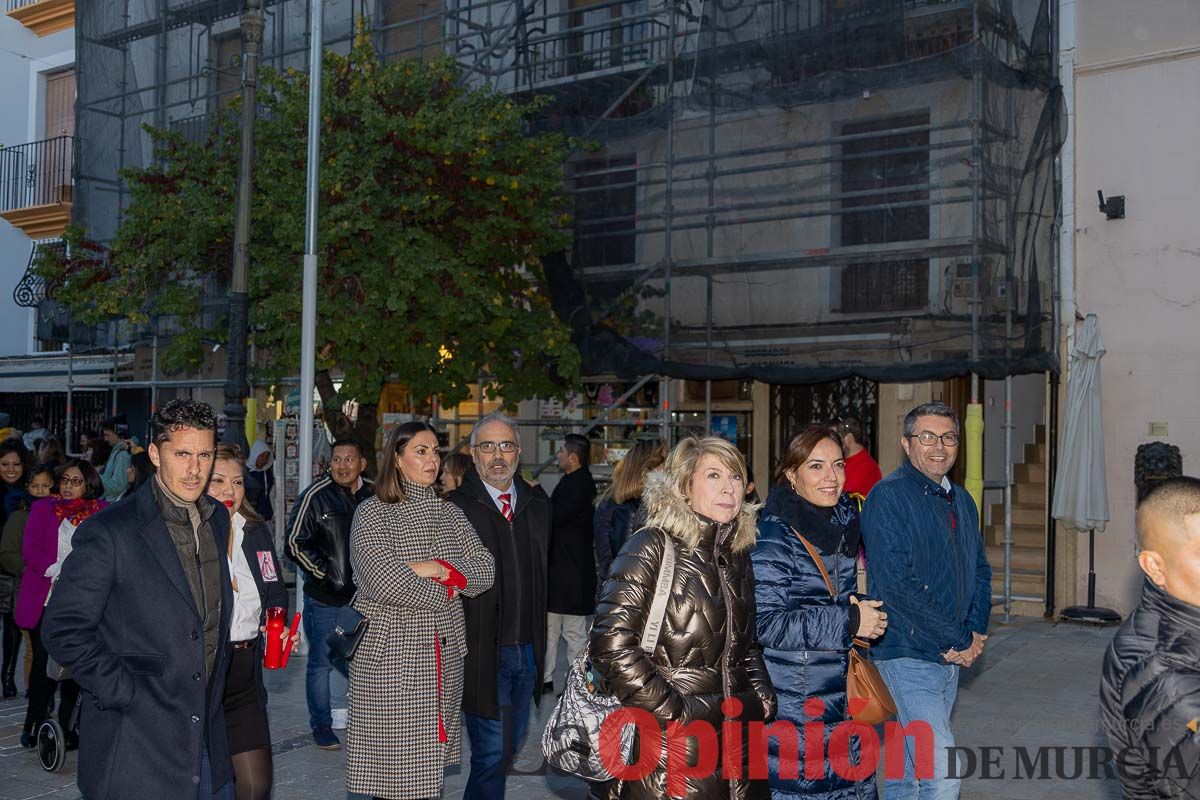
506 506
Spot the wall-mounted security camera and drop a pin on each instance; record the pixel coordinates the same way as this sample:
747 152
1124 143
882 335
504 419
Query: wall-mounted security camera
1113 207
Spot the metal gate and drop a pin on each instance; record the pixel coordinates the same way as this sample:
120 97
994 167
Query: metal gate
818 403
89 409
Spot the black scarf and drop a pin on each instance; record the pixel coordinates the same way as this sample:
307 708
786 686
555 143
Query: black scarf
828 528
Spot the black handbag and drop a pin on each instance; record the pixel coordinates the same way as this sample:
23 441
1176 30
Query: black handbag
348 631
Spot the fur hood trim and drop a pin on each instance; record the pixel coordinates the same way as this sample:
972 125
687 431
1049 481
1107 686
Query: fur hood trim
668 509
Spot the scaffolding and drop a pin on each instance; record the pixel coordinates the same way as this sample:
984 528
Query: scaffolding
785 191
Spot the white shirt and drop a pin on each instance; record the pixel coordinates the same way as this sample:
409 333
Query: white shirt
511 491
946 484
66 531
247 605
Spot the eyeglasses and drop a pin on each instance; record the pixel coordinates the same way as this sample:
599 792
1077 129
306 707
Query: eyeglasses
490 447
71 481
926 438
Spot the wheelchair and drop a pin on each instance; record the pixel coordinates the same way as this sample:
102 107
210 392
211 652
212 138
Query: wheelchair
51 741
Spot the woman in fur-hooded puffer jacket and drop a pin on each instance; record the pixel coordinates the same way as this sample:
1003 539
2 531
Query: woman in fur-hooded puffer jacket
707 650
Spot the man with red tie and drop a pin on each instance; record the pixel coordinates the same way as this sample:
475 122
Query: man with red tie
506 625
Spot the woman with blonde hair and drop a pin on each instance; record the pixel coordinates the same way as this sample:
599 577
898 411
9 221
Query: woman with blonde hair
413 555
707 665
617 512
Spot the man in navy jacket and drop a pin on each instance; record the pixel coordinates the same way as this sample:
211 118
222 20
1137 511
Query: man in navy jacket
926 562
140 614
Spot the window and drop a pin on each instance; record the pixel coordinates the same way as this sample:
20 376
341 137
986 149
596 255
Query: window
875 169
605 211
227 65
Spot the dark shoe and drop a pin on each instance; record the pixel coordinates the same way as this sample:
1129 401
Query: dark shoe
10 688
326 739
72 740
548 687
27 740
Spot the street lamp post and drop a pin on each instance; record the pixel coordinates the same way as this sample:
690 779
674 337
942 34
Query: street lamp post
236 383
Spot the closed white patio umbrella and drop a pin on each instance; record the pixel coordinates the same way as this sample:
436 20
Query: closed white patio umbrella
1081 487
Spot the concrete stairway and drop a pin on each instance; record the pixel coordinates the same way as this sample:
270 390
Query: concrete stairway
1028 532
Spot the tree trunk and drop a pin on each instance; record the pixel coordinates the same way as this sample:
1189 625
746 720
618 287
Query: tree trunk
342 427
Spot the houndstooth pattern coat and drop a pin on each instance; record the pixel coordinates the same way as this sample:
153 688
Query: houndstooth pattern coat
392 742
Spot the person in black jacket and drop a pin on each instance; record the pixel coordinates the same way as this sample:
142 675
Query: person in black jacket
506 625
318 541
572 597
619 513
257 586
1150 690
140 615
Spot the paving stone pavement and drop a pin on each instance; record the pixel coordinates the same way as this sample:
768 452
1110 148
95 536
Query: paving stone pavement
1036 686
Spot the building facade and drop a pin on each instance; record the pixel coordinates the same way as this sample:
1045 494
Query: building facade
1133 69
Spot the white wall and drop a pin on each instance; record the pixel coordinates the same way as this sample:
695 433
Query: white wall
1137 115
23 58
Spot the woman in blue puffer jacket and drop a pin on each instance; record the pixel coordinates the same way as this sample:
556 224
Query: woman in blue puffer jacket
805 632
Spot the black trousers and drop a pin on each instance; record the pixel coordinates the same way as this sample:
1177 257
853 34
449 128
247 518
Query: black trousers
11 647
41 689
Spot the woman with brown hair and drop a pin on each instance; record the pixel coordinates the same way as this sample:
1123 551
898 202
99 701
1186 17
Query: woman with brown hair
805 630
413 555
707 665
257 581
453 469
618 510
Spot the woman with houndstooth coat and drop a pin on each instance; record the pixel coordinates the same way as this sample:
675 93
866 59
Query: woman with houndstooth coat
413 555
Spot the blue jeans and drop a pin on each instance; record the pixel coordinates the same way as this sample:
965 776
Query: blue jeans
925 692
494 742
318 621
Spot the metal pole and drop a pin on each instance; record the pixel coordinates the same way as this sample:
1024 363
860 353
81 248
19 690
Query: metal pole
976 199
154 374
665 383
70 391
308 317
114 379
236 387
1008 490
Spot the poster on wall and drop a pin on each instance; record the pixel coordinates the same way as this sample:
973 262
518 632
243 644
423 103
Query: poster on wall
724 426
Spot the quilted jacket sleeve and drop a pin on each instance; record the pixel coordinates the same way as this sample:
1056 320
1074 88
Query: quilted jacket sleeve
754 663
615 645
795 611
1168 750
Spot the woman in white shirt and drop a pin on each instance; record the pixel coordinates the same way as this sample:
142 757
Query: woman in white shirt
254 570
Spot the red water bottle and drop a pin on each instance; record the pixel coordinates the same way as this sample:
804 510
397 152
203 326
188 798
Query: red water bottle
273 657
289 645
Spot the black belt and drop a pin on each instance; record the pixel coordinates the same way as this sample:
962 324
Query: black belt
246 644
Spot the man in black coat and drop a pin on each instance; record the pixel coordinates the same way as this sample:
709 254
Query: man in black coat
506 625
571 599
140 615
1150 689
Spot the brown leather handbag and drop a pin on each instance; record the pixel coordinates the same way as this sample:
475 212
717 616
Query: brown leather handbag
865 689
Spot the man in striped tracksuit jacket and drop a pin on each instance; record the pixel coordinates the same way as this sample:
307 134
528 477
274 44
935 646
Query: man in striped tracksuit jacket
318 540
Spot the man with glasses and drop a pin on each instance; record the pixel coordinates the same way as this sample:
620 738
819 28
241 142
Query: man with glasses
928 566
506 625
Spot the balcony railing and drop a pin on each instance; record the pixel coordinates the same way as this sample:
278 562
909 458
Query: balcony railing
36 174
43 17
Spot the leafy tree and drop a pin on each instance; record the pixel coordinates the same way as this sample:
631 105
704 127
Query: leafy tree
436 207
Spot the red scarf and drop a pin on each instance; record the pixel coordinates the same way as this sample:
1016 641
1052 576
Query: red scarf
76 510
